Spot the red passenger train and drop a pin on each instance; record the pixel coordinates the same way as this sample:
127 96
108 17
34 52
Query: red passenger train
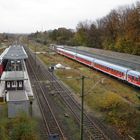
123 73
3 62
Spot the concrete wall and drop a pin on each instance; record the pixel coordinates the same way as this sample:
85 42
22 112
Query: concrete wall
16 107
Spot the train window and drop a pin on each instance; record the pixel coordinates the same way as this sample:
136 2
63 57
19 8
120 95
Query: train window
133 78
136 79
12 62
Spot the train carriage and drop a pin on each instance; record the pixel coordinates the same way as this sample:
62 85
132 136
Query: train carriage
67 53
133 77
85 59
3 62
111 69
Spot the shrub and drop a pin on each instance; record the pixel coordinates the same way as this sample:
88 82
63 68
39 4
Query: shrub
23 128
110 101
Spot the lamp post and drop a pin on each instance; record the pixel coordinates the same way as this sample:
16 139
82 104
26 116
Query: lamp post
51 69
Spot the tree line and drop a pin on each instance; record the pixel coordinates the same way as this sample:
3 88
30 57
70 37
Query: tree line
117 31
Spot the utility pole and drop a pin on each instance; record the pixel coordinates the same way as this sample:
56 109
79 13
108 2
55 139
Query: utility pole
52 70
82 107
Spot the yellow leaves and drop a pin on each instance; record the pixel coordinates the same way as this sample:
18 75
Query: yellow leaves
110 101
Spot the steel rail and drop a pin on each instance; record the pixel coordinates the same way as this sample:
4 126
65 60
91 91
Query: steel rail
49 128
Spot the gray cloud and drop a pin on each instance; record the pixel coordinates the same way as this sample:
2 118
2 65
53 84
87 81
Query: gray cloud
31 15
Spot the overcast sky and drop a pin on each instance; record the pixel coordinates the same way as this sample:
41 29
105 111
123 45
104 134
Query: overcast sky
25 16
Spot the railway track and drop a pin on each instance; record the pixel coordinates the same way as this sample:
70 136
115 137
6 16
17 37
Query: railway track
51 123
93 128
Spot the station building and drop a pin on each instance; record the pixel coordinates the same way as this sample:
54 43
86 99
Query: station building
15 86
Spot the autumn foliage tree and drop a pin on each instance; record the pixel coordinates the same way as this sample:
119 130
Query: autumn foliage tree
118 31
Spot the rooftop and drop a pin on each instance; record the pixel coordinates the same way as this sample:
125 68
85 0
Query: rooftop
15 52
13 75
19 95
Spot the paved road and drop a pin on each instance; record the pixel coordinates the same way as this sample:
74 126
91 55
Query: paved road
126 60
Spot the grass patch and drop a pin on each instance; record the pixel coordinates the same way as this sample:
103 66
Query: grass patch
37 47
21 127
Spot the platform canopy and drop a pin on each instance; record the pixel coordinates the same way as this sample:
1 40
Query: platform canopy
15 52
13 75
18 95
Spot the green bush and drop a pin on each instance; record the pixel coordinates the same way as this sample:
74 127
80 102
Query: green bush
21 128
124 45
3 133
137 131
